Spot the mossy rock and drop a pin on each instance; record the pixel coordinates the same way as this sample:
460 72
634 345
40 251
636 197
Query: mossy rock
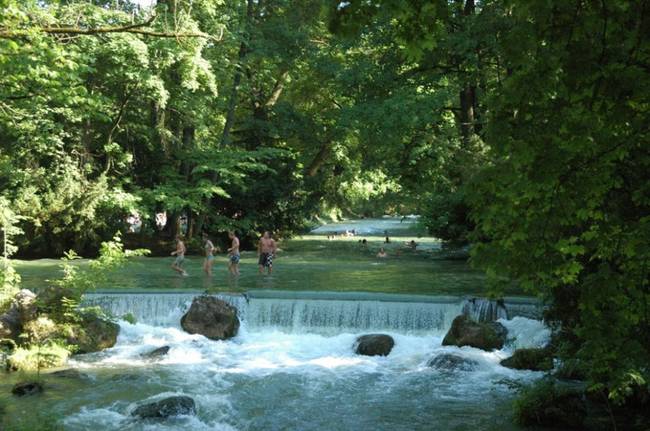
466 332
530 359
92 334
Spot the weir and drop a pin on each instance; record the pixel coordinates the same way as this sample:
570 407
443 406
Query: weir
316 312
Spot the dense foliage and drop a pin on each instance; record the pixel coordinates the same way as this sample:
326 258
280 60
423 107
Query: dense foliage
556 193
521 126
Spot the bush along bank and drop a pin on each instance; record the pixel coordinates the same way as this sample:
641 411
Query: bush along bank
42 330
566 398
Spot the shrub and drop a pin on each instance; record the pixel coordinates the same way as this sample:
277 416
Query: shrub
546 404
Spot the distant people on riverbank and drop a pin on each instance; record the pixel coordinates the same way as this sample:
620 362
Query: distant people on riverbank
382 253
387 241
233 254
266 250
412 245
209 249
180 256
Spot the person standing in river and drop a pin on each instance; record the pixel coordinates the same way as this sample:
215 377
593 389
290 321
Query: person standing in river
233 254
180 256
266 250
209 254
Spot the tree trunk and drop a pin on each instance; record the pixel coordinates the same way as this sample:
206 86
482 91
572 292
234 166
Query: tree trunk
318 161
467 94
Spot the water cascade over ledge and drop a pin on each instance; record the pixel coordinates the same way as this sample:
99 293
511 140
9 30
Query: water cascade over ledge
302 312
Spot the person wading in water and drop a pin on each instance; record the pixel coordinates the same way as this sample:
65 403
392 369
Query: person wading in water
233 253
266 250
180 256
209 256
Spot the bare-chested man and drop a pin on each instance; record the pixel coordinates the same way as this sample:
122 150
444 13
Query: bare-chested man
180 256
266 250
233 254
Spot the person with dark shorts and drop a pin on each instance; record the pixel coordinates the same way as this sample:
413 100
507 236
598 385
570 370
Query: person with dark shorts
266 250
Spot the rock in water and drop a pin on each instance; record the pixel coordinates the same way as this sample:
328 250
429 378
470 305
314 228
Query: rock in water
93 334
27 388
530 359
451 362
374 345
212 318
172 406
465 332
156 353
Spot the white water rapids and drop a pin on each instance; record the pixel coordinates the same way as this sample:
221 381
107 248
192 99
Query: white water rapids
292 367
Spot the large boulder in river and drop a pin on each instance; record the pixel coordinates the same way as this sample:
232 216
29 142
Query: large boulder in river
374 345
212 318
92 334
465 332
530 359
452 362
22 310
172 406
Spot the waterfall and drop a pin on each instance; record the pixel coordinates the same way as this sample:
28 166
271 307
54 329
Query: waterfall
298 312
327 316
484 310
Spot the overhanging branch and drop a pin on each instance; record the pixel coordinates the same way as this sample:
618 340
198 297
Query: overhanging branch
131 28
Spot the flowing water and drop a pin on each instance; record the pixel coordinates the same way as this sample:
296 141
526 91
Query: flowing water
292 366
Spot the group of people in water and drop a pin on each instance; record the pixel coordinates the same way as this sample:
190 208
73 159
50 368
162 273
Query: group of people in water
266 250
411 245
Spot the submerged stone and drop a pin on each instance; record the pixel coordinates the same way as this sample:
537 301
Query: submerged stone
465 332
452 362
27 388
374 345
212 318
172 406
69 373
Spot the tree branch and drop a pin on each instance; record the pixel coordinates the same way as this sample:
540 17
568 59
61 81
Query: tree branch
131 28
